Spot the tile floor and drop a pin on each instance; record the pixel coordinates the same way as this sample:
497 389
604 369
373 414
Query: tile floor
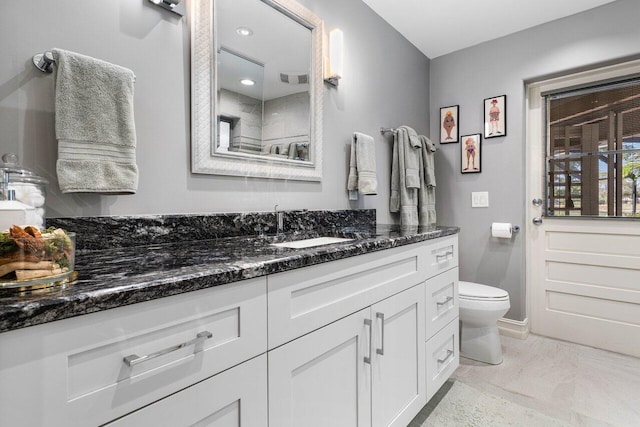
580 385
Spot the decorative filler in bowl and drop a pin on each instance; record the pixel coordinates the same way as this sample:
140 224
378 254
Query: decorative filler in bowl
32 259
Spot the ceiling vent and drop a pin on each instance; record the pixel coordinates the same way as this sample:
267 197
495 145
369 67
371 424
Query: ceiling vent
294 79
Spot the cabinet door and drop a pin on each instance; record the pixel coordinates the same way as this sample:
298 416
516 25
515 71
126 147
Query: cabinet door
322 379
398 387
236 397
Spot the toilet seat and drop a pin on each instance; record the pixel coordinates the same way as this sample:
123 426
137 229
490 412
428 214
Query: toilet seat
477 292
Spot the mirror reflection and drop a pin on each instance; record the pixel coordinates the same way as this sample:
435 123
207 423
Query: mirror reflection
263 74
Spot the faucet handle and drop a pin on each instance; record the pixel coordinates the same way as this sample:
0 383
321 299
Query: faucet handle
280 219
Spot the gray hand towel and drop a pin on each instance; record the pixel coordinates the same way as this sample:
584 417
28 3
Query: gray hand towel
412 158
427 191
362 166
94 125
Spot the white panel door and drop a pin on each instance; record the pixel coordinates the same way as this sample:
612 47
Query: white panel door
583 276
586 285
321 379
398 387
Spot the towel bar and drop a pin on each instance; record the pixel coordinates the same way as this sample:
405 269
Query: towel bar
387 130
44 62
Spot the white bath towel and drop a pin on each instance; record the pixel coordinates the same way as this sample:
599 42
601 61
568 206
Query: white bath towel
362 166
94 125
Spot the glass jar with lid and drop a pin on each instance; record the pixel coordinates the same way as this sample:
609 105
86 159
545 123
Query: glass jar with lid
29 188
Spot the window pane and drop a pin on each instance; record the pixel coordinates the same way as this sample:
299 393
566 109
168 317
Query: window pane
594 151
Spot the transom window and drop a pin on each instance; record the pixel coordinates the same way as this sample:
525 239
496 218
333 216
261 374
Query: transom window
593 150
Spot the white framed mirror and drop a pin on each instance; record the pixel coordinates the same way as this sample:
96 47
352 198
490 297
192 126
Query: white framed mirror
256 89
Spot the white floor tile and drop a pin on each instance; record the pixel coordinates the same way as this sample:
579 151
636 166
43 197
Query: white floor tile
570 382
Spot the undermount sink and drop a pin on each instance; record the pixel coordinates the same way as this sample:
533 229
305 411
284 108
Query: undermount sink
309 243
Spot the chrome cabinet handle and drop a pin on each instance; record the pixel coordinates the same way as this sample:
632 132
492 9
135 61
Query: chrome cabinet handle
380 350
445 255
449 354
367 359
445 301
134 359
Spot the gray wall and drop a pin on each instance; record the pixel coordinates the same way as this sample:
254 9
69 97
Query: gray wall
386 83
466 77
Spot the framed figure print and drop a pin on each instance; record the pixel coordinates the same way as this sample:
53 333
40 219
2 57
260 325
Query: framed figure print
449 124
495 116
471 153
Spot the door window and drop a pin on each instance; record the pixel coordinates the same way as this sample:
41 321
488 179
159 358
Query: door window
593 150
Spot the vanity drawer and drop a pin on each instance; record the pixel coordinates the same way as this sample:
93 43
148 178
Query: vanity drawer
235 397
442 255
78 365
442 300
443 357
306 299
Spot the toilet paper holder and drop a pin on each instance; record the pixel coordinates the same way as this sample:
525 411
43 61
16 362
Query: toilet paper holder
514 228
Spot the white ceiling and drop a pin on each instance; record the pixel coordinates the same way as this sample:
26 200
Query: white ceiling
438 27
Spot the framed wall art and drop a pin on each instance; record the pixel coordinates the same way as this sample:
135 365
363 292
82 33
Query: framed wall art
495 116
471 153
449 125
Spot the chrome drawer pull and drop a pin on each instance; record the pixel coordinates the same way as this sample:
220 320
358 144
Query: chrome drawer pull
444 255
380 350
367 359
134 359
449 354
445 301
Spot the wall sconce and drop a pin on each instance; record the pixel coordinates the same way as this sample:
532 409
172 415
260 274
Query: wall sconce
170 5
333 71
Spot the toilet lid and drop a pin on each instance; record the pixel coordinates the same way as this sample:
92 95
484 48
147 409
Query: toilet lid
472 290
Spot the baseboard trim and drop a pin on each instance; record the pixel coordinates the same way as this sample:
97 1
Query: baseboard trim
514 328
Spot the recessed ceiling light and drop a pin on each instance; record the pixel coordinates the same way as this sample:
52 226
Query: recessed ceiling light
244 31
247 82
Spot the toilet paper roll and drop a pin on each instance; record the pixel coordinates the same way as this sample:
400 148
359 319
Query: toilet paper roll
502 230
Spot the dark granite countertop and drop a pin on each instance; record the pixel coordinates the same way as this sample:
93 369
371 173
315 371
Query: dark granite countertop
116 277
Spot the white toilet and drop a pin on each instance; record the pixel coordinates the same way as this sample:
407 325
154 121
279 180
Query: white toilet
480 308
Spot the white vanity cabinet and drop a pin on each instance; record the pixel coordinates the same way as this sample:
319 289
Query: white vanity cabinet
74 372
360 341
348 340
365 369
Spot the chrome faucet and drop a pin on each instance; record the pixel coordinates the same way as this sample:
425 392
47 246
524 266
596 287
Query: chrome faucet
280 220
